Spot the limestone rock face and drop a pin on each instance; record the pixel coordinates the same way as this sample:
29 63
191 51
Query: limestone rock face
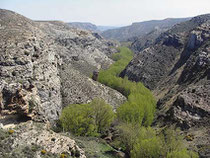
140 43
78 88
39 135
177 68
30 81
191 107
45 66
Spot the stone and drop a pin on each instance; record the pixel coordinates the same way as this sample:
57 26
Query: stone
31 133
37 56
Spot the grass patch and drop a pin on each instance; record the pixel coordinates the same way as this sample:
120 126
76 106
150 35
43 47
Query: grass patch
94 147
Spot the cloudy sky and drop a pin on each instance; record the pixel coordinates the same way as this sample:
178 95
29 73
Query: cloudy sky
106 12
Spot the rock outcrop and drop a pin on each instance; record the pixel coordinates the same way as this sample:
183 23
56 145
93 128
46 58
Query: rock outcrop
45 66
177 68
170 52
30 81
37 140
142 42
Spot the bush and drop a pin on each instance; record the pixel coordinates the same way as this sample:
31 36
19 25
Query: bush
63 156
182 154
77 118
128 134
87 119
150 147
43 152
102 113
145 142
11 131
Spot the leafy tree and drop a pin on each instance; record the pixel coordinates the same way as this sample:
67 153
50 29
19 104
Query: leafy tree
87 119
77 118
102 114
184 153
140 107
128 134
145 142
147 148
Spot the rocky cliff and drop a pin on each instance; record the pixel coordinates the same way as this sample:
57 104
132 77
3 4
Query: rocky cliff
142 42
36 140
177 68
45 66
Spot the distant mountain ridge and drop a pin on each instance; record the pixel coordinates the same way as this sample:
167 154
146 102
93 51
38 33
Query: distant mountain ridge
141 28
90 27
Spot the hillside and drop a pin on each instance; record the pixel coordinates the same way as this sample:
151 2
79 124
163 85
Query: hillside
84 26
89 26
140 29
66 91
177 68
140 43
45 66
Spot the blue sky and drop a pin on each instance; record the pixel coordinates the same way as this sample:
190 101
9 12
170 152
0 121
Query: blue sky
106 12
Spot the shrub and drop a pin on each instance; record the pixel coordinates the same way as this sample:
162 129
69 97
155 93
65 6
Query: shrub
77 118
141 142
182 154
109 77
11 131
87 119
63 156
130 113
43 152
102 113
128 134
150 147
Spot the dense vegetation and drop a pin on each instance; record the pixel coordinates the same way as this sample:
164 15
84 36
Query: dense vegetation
145 142
87 119
140 107
134 117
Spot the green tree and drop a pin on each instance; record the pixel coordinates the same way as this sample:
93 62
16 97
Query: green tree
128 134
102 114
145 142
147 148
87 119
184 153
77 118
140 107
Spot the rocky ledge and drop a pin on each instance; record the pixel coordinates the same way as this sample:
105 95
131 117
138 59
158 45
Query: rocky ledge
36 139
45 66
